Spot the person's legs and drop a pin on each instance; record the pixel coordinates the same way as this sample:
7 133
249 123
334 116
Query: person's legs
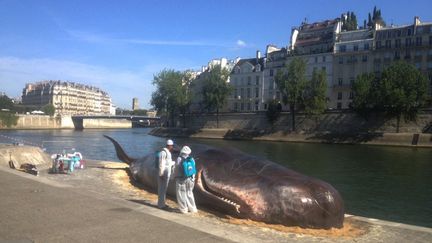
190 199
162 188
181 195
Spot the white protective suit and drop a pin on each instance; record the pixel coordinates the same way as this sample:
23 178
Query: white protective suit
184 187
165 165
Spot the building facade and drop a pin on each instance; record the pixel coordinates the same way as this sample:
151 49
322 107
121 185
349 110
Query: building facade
68 98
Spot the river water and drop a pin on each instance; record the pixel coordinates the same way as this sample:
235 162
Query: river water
390 183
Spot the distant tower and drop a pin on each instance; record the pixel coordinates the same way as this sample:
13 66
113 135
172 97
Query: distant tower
135 105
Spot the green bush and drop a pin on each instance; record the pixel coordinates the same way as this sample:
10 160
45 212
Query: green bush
8 119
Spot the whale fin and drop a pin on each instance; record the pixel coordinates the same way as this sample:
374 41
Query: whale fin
121 154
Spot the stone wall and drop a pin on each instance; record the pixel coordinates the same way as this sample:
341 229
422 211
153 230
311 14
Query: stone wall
334 122
106 123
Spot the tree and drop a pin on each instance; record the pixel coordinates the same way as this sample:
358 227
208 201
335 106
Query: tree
6 103
403 90
366 98
292 82
168 83
49 109
376 18
273 111
216 89
315 100
349 21
172 93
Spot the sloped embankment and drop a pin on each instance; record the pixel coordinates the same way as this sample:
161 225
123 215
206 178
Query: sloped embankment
23 154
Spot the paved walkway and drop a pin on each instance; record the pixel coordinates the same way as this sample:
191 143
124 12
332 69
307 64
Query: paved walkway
46 209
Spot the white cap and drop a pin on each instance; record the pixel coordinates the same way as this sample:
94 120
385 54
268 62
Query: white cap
170 142
185 150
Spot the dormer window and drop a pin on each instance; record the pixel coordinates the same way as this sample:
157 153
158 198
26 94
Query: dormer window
258 68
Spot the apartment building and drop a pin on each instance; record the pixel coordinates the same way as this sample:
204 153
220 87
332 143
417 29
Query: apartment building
67 97
246 79
197 104
352 57
411 43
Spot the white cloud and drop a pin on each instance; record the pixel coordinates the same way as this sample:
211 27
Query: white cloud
95 38
122 85
241 43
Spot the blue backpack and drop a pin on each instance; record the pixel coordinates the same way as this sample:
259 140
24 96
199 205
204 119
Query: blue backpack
156 161
189 168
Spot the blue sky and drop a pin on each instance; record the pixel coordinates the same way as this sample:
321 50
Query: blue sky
119 45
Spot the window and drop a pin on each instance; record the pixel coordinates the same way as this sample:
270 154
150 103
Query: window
339 105
248 106
256 92
324 58
407 54
256 105
342 48
419 41
323 69
316 59
388 43
340 81
340 60
249 80
257 80
339 96
248 93
366 46
378 44
242 106
235 93
355 47
241 93
351 95
397 55
364 58
409 32
397 43
352 81
407 42
235 106
430 40
271 72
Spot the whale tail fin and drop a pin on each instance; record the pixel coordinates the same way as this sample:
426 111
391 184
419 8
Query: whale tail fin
121 154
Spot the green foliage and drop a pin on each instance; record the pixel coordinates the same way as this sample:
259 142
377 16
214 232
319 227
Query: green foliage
6 103
292 83
375 18
49 109
315 101
140 112
172 93
403 90
216 89
365 99
8 119
350 23
273 111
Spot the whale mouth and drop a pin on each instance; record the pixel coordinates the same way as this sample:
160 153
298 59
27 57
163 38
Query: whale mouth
205 189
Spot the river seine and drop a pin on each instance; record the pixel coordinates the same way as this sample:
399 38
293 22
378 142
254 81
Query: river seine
390 183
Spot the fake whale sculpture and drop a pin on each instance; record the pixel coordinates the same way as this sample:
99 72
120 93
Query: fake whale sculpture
245 186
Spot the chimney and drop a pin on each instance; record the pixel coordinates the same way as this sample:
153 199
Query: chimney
416 20
258 54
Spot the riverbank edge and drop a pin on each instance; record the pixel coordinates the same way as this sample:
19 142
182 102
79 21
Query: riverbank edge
96 163
417 140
